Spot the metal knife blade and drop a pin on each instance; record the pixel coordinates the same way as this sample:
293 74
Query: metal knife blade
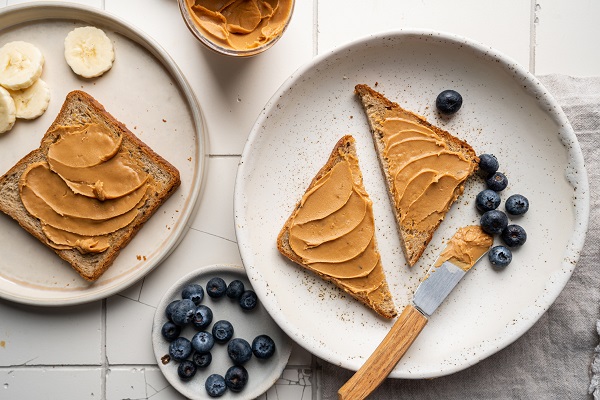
445 274
437 286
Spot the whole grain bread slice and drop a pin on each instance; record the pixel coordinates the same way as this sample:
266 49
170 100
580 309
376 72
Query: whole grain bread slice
380 300
80 108
376 107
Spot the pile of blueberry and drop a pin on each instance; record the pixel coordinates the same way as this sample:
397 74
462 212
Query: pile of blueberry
494 221
196 353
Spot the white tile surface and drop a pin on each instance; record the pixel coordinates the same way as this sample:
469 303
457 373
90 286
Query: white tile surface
504 25
51 383
91 3
566 36
102 350
46 336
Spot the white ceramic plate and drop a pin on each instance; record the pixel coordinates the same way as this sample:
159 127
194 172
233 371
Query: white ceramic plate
506 111
246 324
146 91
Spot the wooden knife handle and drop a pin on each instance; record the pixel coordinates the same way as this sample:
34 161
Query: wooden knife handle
385 357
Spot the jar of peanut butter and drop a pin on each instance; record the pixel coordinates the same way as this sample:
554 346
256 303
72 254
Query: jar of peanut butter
239 28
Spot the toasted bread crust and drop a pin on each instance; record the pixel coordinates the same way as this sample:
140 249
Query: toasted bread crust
386 308
376 105
80 108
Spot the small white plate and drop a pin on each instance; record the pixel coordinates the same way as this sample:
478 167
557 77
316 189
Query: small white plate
146 91
506 111
246 324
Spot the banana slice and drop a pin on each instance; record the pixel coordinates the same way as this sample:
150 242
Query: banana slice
89 52
33 101
7 111
20 65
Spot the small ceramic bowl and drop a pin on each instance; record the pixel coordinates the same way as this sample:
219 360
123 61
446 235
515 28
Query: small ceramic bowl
247 324
213 44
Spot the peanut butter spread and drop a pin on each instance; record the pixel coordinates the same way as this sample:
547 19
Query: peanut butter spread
425 172
240 24
88 188
333 230
466 247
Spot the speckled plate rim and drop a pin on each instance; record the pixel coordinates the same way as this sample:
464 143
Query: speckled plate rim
41 11
576 175
158 343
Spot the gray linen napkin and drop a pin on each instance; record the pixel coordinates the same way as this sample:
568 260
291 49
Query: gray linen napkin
553 360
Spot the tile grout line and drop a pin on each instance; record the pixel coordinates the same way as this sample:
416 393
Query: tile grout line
532 35
103 353
315 27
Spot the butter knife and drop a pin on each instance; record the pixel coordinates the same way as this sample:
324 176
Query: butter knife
463 250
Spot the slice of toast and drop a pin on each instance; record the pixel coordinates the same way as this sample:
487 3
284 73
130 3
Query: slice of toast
79 109
357 266
387 119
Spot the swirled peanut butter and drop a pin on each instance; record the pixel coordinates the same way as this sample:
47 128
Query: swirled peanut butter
240 24
466 247
333 230
88 188
424 171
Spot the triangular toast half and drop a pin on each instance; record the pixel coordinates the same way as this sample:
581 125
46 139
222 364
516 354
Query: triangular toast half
425 168
331 231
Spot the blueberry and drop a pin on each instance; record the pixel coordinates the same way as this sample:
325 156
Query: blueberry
497 181
500 257
514 235
203 316
263 347
488 163
202 360
215 385
180 349
493 221
516 204
170 308
248 300
194 292
222 331
448 102
216 287
235 289
203 341
170 331
183 312
236 378
239 351
487 200
186 370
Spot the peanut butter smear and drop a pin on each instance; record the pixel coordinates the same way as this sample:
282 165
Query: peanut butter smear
240 24
89 187
333 230
424 171
466 247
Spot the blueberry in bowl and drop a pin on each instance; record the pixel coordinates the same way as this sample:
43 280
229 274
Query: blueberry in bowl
497 181
514 235
222 331
263 347
500 257
215 385
487 200
248 300
236 378
488 164
239 350
493 221
516 204
448 102
216 287
194 292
